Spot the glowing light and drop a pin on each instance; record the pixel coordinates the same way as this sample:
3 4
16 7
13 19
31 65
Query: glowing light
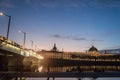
41 57
27 53
40 68
1 14
22 52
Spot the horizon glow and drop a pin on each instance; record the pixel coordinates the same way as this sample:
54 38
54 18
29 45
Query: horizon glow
74 25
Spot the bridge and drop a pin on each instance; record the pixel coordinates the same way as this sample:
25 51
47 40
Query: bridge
14 56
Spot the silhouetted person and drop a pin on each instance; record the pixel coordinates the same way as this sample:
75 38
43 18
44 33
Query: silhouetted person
48 69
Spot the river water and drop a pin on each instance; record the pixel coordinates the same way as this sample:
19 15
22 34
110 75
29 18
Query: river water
73 79
76 68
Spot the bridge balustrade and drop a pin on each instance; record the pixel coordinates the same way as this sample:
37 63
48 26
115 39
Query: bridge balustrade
8 45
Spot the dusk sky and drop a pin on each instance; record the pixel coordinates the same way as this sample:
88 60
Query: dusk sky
74 25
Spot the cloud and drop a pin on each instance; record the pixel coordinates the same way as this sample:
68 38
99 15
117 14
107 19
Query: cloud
106 3
61 3
68 37
114 47
7 3
96 40
42 3
111 33
48 3
73 3
79 39
60 36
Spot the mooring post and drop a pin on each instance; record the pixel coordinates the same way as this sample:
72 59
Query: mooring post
48 78
53 78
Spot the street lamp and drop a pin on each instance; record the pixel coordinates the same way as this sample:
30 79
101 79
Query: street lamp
24 37
9 17
31 44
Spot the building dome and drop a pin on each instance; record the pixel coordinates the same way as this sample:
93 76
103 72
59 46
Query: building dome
93 49
54 48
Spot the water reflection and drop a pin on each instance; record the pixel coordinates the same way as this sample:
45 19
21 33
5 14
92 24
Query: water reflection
74 79
40 69
92 68
87 78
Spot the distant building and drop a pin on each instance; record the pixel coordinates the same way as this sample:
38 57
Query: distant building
93 49
110 51
54 49
56 57
55 53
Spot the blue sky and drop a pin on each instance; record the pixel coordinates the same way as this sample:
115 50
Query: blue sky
74 25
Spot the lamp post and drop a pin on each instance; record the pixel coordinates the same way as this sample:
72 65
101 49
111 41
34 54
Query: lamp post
9 20
24 37
31 44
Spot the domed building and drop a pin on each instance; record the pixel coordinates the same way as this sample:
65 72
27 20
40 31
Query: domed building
93 49
54 49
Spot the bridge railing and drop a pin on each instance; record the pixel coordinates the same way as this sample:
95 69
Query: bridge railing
14 47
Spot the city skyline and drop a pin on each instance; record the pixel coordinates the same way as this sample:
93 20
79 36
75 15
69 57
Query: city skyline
74 25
